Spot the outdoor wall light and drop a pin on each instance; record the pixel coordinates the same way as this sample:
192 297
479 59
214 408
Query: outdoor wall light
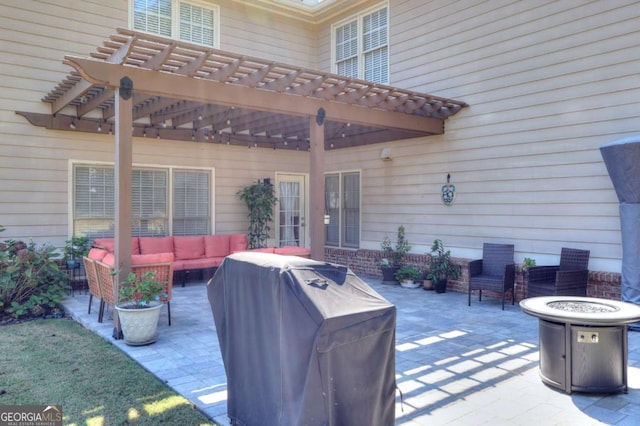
385 154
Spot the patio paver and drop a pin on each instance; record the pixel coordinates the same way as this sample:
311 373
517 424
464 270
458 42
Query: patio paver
455 365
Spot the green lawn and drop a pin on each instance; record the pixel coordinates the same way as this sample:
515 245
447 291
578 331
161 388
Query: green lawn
57 362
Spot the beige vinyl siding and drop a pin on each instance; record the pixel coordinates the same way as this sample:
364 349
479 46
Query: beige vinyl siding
35 163
254 31
548 83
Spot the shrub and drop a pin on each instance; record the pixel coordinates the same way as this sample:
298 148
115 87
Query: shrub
30 279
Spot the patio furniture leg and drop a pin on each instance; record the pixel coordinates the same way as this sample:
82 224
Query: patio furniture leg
169 311
90 300
101 311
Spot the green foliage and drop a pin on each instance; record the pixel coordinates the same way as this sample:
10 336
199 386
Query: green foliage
441 267
30 279
260 199
408 272
391 256
76 247
528 263
140 292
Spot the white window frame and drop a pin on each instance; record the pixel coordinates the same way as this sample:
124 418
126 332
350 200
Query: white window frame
175 19
361 53
169 197
341 207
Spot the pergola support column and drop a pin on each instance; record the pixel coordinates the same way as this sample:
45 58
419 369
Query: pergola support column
123 174
316 185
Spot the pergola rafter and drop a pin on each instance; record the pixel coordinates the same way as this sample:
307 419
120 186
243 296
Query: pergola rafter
294 93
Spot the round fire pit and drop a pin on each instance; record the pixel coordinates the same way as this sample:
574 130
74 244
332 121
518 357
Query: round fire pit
583 341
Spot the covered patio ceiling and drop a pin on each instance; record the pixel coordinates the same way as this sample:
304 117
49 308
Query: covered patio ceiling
188 92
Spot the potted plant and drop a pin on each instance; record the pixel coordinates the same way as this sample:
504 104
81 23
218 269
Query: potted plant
75 248
392 259
408 276
260 199
139 308
427 282
441 267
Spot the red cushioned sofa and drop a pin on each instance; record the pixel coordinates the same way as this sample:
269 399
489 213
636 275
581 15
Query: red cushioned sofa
197 252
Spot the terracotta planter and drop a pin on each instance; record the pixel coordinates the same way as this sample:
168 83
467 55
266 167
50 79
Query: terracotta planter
427 284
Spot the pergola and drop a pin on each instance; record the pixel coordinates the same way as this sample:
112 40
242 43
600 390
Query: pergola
142 85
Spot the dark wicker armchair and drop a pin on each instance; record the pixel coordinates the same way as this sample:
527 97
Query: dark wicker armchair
494 272
567 279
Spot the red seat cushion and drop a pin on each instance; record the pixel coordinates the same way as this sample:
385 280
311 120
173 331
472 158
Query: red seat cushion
108 244
188 247
205 262
97 254
146 259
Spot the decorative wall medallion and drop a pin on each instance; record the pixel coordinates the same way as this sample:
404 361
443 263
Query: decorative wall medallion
448 192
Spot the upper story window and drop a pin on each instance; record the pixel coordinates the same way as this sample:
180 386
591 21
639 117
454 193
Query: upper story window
191 21
361 46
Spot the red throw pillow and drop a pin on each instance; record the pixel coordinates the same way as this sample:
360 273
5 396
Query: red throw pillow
216 245
188 247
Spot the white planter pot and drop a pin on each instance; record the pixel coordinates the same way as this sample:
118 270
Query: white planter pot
139 326
409 284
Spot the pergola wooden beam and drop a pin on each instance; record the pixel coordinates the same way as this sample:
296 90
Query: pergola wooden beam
200 90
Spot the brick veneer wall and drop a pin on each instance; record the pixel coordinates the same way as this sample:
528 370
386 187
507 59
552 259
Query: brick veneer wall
367 263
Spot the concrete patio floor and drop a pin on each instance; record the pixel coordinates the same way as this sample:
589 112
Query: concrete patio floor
455 365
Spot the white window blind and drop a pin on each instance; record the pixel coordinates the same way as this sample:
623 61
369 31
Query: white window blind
347 49
149 202
93 204
197 24
342 204
351 210
181 19
191 202
361 47
94 201
153 16
332 208
376 56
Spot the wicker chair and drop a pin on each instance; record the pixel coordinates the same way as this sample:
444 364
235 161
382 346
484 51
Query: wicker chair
569 278
106 279
494 272
164 274
92 280
106 282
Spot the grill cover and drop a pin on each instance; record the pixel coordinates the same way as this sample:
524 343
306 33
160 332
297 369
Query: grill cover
622 158
303 342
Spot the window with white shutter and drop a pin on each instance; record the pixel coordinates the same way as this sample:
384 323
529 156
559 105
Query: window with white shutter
342 204
189 20
360 48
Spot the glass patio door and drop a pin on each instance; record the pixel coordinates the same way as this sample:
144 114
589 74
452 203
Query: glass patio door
291 210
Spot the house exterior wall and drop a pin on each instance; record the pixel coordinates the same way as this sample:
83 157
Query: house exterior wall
548 83
35 163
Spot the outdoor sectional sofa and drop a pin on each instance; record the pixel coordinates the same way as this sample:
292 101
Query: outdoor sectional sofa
196 252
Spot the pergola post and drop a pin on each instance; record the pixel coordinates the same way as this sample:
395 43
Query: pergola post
123 174
316 185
